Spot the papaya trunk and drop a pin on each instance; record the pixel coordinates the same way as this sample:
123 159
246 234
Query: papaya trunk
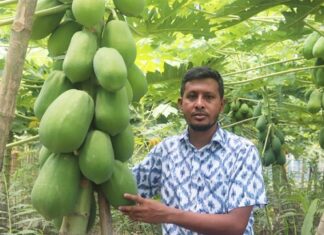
320 228
105 215
21 30
77 223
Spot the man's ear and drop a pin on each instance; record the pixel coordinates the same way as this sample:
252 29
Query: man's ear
223 102
180 103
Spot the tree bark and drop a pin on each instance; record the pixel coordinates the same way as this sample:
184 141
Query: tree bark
320 228
105 215
20 34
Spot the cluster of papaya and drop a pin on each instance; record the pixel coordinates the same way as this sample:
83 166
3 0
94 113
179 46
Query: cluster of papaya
83 108
314 48
271 139
240 110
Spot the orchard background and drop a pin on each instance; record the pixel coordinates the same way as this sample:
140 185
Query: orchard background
256 45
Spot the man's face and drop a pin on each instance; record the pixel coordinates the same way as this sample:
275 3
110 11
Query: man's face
201 103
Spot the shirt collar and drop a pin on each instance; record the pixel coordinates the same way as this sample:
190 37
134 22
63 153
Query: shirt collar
218 137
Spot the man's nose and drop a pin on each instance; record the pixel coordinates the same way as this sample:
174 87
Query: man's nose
200 103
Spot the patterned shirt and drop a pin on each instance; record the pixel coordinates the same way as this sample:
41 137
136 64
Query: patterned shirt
221 176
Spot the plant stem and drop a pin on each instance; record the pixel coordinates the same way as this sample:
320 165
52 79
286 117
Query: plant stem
7 2
23 141
240 122
272 75
49 11
262 66
8 203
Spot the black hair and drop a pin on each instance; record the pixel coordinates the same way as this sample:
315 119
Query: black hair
202 72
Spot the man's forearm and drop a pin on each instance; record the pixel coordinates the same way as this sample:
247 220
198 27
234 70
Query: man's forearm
227 224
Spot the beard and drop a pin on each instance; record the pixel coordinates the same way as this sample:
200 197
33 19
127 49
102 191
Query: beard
202 128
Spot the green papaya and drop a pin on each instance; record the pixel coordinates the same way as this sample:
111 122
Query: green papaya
122 181
309 44
281 158
269 157
318 62
257 111
320 77
227 107
116 34
45 25
43 155
129 91
261 123
77 64
90 86
238 116
57 64
110 69
59 41
262 135
65 123
280 135
130 7
318 49
55 84
244 108
235 105
276 144
56 188
321 137
96 157
88 12
314 102
137 81
123 144
111 112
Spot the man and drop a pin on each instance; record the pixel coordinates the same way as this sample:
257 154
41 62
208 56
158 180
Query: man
209 179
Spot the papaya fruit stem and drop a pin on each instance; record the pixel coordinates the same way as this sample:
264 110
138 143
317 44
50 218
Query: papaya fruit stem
315 29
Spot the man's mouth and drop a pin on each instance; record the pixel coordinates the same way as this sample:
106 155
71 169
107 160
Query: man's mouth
199 115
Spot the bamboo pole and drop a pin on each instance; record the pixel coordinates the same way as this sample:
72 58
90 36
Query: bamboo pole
9 85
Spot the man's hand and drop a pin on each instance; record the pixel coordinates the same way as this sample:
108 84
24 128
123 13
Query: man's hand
145 210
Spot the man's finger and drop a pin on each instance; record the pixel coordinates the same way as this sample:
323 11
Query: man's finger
133 197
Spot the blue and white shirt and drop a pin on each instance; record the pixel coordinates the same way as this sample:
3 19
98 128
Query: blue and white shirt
221 176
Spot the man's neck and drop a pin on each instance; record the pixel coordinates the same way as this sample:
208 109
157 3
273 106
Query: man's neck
201 138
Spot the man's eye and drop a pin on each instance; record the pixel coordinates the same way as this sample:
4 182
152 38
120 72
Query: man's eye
191 96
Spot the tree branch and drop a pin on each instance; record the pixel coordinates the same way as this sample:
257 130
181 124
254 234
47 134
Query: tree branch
20 34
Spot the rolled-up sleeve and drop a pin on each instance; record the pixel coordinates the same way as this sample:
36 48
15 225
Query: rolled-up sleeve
247 184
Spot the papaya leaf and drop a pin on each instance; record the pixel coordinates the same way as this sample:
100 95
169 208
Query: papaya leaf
170 73
243 10
180 17
309 218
